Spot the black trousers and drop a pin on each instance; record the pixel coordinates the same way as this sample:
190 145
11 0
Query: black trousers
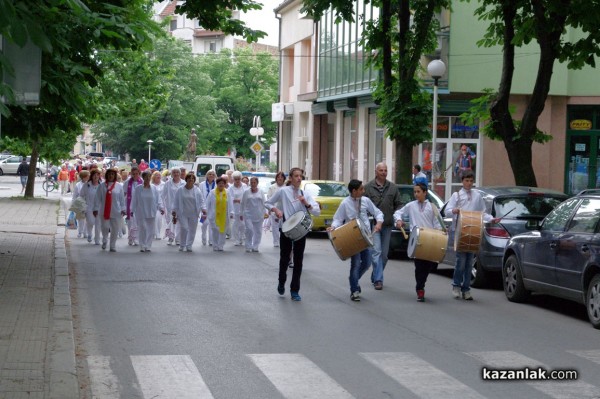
285 249
422 268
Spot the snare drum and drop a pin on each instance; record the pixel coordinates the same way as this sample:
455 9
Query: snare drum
297 226
427 244
350 239
469 230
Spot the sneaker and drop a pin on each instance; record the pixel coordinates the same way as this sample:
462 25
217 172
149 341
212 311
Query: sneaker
103 245
281 289
148 250
189 249
130 242
97 243
275 245
180 249
142 250
467 296
89 238
170 242
378 285
456 292
248 250
355 296
420 295
255 250
113 250
295 296
79 235
176 242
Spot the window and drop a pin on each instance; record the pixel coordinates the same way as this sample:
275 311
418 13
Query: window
586 218
557 219
202 168
221 169
173 25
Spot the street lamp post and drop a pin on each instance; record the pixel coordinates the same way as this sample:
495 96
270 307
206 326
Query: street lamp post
149 150
256 131
436 69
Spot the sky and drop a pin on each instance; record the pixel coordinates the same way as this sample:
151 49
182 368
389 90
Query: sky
265 20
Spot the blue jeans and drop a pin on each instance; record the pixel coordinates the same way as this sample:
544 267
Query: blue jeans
359 264
381 248
462 271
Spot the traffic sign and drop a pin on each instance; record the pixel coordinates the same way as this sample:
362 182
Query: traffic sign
257 147
155 164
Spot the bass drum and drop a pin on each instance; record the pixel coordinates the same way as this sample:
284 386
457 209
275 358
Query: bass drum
350 239
469 230
427 244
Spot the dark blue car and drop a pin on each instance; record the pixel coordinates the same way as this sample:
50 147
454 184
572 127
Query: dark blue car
561 258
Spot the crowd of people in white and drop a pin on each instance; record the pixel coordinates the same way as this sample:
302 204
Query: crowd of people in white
148 205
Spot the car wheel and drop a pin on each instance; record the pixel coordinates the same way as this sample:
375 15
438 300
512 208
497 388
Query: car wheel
1 172
513 281
479 277
592 301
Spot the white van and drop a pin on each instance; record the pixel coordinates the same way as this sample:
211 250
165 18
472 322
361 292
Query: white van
220 164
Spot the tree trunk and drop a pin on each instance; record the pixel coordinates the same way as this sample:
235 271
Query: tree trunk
32 171
403 163
520 156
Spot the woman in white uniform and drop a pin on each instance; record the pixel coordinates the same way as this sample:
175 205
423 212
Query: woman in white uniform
188 206
218 208
110 207
84 176
253 214
88 192
206 187
159 185
145 202
236 192
275 221
168 197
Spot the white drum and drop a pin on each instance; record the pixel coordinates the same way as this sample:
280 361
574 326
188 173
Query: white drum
297 226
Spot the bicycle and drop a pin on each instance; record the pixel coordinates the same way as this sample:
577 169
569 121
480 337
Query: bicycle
49 184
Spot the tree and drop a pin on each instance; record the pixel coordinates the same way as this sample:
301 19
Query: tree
398 39
73 33
514 23
245 85
159 95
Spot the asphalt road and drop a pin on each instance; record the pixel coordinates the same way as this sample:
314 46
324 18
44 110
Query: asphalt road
167 324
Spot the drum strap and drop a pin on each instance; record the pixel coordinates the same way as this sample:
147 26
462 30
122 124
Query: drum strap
436 212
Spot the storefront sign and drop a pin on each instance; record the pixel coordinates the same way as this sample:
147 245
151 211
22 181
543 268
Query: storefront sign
580 147
580 124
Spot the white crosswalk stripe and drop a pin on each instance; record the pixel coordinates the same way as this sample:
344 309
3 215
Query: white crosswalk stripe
554 389
167 377
104 384
419 376
591 355
292 374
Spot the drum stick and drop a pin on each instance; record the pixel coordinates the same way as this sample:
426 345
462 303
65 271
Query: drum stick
506 214
404 233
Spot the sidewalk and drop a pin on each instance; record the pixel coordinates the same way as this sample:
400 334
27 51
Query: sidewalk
37 353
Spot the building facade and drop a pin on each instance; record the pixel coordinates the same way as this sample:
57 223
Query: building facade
331 127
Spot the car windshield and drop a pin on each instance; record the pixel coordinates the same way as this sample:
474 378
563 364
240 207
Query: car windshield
327 190
529 206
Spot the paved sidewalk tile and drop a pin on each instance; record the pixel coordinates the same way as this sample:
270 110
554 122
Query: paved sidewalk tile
29 243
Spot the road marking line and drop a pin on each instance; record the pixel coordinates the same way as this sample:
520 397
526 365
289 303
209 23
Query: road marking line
173 377
592 355
419 376
104 384
554 389
297 377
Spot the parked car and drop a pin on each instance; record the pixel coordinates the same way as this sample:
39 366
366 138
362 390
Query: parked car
328 194
10 165
561 258
397 241
524 208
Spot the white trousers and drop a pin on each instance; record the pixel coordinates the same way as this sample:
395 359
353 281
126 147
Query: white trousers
238 229
218 238
113 225
132 229
253 234
146 228
274 228
206 232
158 225
172 231
187 234
95 223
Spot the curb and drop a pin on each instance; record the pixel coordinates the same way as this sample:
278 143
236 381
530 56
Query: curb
61 343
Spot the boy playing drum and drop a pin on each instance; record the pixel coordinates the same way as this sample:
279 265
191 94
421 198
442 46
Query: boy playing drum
356 207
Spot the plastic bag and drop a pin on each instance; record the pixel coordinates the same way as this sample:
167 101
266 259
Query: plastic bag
71 221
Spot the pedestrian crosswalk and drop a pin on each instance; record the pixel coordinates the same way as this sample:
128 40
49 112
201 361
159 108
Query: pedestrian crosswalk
296 376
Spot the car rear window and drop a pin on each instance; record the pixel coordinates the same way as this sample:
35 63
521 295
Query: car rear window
526 206
327 190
